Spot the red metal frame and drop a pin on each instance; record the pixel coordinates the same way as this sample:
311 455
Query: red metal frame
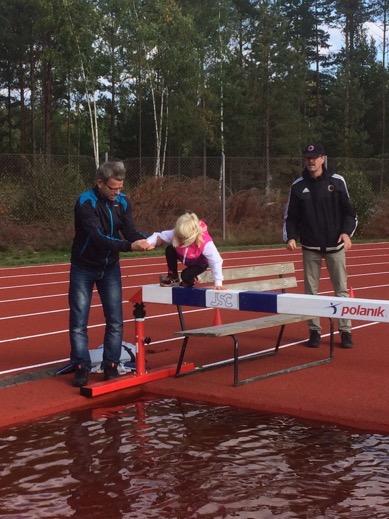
141 376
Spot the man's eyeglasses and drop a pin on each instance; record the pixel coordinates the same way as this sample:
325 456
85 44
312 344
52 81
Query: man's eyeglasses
114 189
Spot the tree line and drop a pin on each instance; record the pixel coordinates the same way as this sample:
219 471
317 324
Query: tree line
136 78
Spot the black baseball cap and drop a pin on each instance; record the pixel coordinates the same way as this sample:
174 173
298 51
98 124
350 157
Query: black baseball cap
314 150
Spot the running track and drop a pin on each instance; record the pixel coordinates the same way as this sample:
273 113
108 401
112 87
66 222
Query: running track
34 309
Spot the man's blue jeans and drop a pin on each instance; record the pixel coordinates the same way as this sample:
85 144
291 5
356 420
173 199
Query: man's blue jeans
109 286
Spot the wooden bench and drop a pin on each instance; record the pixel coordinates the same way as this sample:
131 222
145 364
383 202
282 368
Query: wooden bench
278 277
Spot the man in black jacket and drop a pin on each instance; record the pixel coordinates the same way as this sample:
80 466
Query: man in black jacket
103 228
319 213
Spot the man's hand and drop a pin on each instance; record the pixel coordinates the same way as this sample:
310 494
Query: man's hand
345 238
218 287
141 245
291 245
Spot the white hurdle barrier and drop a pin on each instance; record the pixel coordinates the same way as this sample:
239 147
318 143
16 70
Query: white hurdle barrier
270 302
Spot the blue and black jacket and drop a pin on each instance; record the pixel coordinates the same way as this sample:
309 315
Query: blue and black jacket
102 229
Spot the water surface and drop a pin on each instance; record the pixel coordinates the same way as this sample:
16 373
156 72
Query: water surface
164 458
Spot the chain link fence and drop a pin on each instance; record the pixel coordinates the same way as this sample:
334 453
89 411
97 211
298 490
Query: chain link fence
38 192
248 172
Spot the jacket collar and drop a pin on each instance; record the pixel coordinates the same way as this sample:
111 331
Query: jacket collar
307 175
100 196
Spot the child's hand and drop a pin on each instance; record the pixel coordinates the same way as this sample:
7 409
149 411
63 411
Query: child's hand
141 245
218 287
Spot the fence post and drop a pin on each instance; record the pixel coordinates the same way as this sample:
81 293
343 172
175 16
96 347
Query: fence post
223 179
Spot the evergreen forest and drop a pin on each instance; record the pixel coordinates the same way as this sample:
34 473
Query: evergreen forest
184 78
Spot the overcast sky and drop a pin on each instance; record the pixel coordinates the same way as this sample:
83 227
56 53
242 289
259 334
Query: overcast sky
373 29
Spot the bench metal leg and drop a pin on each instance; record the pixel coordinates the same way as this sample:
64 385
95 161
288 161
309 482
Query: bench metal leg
331 338
251 356
181 357
181 317
184 342
254 355
205 367
297 367
279 338
236 359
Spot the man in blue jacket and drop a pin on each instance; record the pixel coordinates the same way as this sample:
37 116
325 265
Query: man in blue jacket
319 214
103 228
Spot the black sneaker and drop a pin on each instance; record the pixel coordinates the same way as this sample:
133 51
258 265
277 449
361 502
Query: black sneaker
314 339
81 375
346 340
110 371
186 285
169 280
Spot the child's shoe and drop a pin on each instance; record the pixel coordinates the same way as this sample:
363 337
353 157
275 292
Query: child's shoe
169 280
187 285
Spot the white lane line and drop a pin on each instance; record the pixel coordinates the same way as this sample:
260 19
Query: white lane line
129 287
163 341
99 325
18 299
140 262
356 246
66 281
50 283
33 366
288 345
54 273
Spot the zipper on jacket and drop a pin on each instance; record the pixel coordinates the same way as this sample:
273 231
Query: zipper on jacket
111 229
85 246
185 254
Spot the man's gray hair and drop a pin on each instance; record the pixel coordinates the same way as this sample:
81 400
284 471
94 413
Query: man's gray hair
112 169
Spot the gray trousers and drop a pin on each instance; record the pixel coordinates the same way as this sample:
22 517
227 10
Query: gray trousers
336 265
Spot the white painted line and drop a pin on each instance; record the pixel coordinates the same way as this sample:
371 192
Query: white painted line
288 345
99 325
143 274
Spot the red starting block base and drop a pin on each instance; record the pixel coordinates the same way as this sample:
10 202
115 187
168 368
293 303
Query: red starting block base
125 381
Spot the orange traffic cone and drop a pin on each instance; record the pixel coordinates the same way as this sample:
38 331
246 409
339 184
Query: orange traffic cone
351 292
217 318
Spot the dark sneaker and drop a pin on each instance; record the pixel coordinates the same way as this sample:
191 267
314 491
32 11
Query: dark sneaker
81 375
186 285
314 339
169 280
110 371
346 340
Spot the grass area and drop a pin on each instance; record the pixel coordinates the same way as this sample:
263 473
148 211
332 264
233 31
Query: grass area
26 257
23 257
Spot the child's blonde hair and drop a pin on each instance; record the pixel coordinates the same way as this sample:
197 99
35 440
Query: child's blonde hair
187 230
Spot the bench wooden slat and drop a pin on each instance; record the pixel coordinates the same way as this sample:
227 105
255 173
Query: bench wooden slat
244 326
263 285
273 269
274 277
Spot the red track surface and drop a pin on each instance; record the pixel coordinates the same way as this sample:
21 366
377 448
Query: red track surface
353 390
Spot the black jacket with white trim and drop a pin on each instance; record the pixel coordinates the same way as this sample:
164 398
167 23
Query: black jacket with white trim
318 211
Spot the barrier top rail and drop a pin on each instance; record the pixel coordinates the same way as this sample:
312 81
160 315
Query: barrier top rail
270 302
